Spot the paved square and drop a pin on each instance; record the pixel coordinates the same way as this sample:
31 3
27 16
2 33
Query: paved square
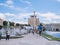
29 39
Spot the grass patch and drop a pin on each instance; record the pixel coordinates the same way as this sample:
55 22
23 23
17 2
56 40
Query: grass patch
50 37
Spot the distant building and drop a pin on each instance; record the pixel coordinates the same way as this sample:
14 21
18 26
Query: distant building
53 27
48 27
33 20
1 22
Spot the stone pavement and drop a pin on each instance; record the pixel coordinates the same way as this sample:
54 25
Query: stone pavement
29 39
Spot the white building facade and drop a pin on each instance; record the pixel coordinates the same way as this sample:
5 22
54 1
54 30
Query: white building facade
53 27
1 22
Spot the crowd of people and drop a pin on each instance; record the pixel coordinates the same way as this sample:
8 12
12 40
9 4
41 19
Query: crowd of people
37 31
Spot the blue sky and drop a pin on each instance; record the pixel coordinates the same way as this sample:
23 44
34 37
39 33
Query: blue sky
48 11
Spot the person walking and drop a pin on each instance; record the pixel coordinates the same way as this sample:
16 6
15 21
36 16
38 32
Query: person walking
40 32
7 35
40 29
0 34
33 32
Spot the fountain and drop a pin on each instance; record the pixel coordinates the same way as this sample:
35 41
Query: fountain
12 32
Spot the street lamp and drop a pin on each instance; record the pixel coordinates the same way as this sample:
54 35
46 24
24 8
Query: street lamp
34 21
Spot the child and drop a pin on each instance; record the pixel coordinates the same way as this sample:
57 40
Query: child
7 35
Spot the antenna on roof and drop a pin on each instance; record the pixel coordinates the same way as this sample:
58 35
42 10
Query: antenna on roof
34 13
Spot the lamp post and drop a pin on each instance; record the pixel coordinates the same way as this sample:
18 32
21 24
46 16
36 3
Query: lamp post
34 21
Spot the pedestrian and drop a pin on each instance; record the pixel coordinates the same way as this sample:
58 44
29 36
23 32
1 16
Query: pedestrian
0 34
40 32
32 32
29 31
7 35
37 32
40 29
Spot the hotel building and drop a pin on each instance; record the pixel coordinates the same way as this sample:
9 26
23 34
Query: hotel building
33 20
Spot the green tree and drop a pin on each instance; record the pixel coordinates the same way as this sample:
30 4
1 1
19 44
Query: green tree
5 23
17 24
1 27
11 24
41 24
29 25
44 28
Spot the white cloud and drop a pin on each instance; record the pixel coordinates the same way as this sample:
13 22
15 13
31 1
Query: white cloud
9 14
20 18
22 22
12 18
9 2
46 17
26 2
27 15
5 15
50 17
58 0
2 16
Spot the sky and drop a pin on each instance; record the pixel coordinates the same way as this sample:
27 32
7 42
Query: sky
18 11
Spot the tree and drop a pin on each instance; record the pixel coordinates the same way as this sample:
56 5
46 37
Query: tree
44 28
11 23
17 24
5 23
1 27
29 25
41 24
21 25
